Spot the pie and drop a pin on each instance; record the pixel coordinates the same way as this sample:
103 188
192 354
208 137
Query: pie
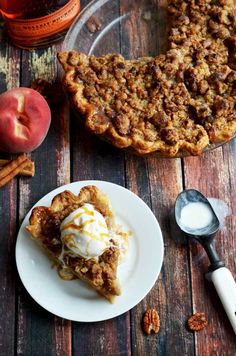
177 102
44 226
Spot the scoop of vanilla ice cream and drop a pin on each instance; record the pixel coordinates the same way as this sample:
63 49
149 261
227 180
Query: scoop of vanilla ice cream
85 232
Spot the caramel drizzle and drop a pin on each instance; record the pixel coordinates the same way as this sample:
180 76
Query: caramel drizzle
85 211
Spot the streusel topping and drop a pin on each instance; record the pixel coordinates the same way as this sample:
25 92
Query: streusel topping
179 101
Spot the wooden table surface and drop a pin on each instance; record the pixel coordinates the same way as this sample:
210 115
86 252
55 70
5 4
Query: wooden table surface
70 154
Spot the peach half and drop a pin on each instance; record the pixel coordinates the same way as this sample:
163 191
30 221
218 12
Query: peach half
24 120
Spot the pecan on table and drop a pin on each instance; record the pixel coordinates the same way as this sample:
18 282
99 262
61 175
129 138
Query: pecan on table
151 321
197 322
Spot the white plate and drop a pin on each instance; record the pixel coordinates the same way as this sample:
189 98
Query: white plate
73 300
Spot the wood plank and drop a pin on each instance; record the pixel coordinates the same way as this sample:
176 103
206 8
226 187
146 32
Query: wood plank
214 175
39 332
172 292
171 295
9 78
159 182
7 289
94 159
139 31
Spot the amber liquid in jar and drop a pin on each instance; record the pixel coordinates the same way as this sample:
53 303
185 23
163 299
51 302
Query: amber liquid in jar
30 9
34 23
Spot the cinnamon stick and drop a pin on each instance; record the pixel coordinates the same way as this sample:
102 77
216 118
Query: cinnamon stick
13 168
28 171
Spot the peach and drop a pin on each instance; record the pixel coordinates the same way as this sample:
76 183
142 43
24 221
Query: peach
24 120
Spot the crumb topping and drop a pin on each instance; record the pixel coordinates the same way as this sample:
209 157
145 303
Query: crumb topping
179 101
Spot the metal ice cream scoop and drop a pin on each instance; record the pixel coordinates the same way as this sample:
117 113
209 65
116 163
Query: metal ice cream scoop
196 217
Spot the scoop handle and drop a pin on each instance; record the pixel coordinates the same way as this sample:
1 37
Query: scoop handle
226 288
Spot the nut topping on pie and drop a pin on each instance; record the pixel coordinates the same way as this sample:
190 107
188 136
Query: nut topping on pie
79 234
179 101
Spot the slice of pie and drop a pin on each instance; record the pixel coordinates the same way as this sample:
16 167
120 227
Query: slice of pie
76 231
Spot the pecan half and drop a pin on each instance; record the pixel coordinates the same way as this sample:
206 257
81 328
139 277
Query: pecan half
151 321
197 322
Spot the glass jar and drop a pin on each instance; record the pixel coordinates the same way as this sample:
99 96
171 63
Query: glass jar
38 23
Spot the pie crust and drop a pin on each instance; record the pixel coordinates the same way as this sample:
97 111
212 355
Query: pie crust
180 101
44 226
